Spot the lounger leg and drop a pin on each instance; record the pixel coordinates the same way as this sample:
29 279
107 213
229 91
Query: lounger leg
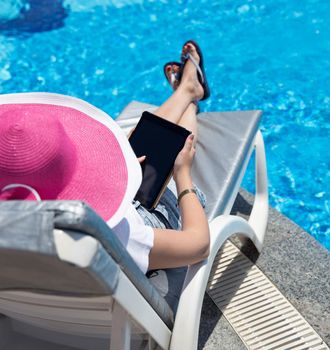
121 329
259 215
186 326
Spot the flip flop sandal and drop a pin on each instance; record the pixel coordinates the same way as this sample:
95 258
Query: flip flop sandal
200 67
175 77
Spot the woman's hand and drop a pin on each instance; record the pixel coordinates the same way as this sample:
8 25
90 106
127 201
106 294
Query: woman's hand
184 159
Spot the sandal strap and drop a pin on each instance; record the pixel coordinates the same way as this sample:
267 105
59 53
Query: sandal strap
173 78
196 64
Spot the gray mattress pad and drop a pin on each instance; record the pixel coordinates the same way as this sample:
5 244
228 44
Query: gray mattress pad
223 145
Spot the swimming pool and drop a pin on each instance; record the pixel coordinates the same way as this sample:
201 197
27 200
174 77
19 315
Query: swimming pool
271 55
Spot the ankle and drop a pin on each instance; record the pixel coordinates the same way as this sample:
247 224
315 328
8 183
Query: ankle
188 88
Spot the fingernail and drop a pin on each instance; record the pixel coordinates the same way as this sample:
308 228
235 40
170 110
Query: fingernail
192 136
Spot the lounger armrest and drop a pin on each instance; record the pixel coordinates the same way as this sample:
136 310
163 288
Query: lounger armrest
78 218
190 304
259 214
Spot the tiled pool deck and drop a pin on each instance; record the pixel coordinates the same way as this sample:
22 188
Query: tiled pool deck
295 262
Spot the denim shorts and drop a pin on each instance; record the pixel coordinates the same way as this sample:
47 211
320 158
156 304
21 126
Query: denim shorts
166 215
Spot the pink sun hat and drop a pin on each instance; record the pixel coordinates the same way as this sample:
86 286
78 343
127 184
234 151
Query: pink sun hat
58 147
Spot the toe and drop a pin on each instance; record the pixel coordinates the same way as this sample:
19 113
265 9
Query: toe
191 48
171 68
185 50
168 71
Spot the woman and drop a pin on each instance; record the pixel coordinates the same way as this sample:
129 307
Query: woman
57 147
173 248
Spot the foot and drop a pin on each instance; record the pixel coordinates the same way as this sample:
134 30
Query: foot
173 74
189 80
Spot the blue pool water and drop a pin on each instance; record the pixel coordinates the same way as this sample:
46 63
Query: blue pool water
271 55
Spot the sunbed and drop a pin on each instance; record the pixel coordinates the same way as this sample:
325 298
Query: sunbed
65 279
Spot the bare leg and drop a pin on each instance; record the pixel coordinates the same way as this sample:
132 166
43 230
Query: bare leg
189 90
173 108
189 119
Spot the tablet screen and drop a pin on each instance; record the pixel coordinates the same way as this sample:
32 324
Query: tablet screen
160 141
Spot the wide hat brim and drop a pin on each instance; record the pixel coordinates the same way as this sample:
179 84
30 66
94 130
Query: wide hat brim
107 174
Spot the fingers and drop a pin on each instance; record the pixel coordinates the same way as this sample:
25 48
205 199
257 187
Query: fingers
141 159
189 144
190 140
185 157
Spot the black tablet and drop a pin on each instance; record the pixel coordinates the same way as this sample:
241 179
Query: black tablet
160 141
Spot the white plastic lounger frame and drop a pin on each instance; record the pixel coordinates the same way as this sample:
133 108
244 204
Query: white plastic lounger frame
186 326
222 227
48 316
187 320
58 319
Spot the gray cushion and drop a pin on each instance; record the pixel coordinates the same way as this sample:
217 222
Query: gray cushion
28 257
224 140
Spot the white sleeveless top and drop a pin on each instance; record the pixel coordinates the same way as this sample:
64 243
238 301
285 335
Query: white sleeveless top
136 237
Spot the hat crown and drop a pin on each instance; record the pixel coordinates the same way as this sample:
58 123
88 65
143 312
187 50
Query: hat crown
34 150
100 167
